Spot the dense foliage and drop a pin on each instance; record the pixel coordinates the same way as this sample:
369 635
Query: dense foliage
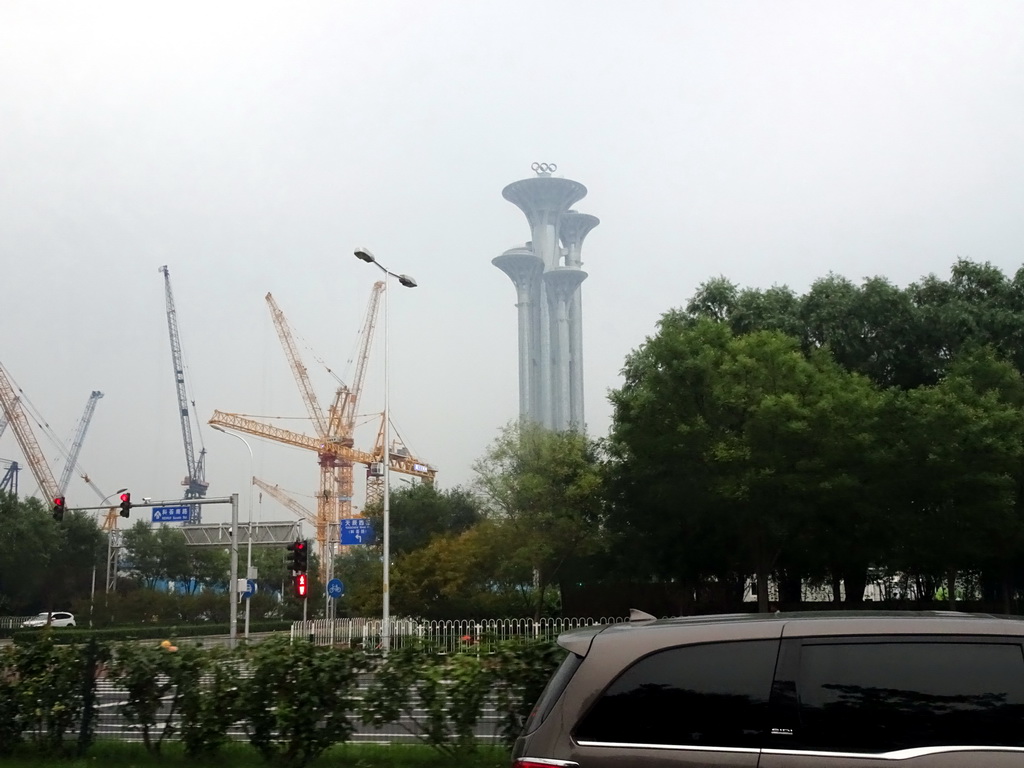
498 551
42 563
814 437
45 565
293 701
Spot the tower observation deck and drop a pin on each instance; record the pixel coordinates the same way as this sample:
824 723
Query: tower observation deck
547 273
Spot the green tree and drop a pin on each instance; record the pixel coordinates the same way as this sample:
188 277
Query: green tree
726 448
209 567
142 551
420 512
961 456
898 337
361 571
81 546
976 306
545 488
44 564
465 574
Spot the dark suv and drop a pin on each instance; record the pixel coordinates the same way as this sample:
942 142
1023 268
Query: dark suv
828 690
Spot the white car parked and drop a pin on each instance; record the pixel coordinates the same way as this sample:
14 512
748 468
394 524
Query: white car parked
55 619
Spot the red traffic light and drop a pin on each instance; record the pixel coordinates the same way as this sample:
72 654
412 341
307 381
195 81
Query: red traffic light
301 585
298 560
126 504
58 508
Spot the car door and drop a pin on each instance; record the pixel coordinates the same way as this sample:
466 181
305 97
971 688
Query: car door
911 701
690 705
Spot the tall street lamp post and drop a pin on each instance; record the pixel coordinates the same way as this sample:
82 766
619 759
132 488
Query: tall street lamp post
248 555
385 632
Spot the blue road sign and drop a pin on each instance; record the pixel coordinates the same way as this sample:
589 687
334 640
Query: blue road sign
250 588
171 514
356 530
335 588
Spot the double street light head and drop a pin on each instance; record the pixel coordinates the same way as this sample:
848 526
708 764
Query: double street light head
364 255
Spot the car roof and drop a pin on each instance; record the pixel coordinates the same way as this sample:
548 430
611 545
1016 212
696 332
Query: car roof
799 624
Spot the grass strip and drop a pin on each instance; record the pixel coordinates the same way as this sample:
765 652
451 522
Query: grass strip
117 754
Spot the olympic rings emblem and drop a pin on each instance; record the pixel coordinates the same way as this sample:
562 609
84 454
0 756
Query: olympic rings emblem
544 167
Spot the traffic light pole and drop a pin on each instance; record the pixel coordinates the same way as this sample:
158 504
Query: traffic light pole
165 503
233 579
233 576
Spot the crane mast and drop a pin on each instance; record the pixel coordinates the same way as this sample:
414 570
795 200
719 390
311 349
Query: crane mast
344 411
195 479
15 415
291 351
76 446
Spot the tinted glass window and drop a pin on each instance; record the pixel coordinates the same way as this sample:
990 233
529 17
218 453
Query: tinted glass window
880 697
552 691
701 695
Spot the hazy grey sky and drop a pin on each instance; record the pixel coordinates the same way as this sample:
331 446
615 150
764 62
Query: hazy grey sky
251 146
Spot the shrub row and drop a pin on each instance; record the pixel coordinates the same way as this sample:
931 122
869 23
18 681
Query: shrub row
293 700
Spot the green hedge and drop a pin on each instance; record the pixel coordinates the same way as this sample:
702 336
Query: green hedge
295 702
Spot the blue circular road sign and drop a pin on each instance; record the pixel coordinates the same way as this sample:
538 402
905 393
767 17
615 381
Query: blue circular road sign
335 588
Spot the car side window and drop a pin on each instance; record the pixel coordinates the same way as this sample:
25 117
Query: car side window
554 688
713 695
877 697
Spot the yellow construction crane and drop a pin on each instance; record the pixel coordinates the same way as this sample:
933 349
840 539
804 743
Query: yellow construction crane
333 442
12 409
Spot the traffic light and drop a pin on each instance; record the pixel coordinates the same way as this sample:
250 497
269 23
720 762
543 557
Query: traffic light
298 560
301 585
126 504
58 508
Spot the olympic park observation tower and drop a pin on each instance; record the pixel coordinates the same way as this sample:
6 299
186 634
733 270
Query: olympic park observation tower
547 273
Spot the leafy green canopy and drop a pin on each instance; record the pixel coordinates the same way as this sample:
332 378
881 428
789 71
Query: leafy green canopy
814 436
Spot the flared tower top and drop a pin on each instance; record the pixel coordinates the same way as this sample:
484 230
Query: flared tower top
544 198
575 226
563 281
521 264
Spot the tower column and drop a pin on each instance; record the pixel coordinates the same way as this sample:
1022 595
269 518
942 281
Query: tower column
524 269
573 229
576 418
562 284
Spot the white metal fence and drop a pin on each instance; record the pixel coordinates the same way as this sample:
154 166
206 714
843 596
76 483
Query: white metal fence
453 635
113 725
